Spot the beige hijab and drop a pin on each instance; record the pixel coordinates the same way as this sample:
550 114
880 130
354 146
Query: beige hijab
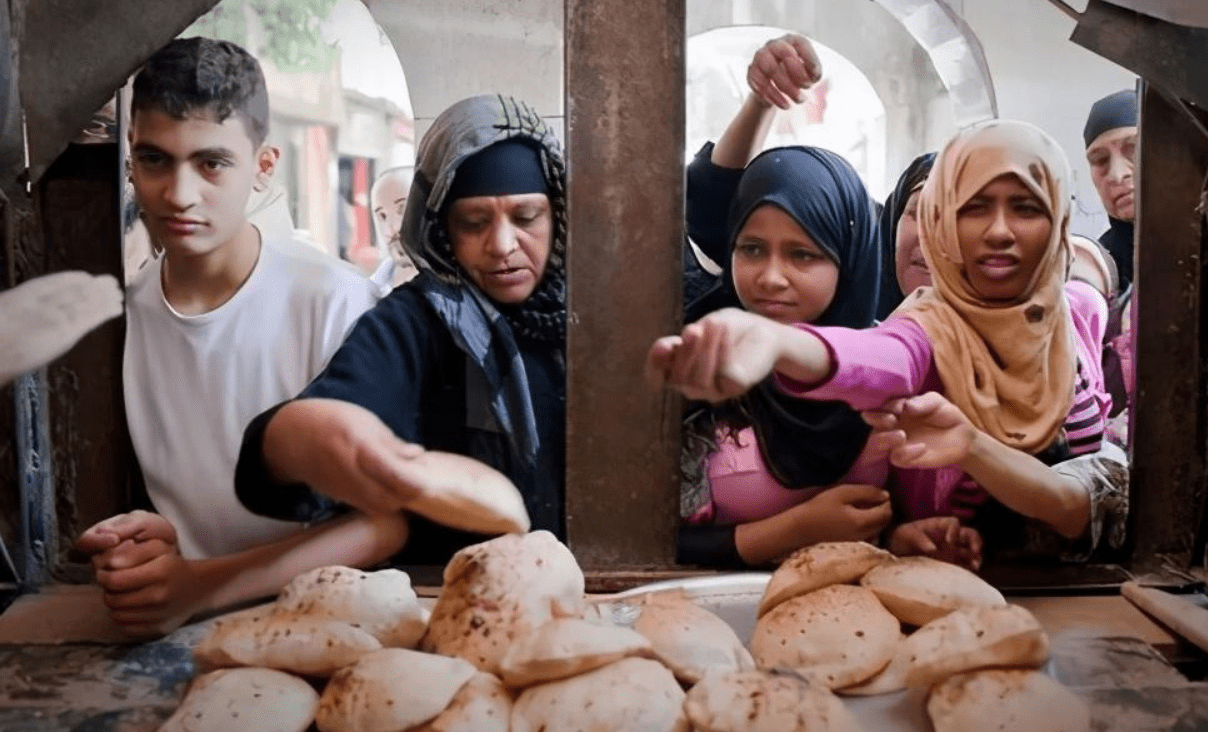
1010 368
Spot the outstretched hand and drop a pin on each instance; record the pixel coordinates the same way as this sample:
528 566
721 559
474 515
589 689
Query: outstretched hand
782 69
925 431
939 537
719 357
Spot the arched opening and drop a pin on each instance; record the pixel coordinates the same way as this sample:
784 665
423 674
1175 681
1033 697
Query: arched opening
841 113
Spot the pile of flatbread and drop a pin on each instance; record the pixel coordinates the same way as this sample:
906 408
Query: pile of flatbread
837 613
513 645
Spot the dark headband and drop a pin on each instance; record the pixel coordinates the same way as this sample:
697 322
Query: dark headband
507 168
1109 113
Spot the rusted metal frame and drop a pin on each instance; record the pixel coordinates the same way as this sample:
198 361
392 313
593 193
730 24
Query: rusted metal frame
94 462
625 137
1168 479
1167 55
77 56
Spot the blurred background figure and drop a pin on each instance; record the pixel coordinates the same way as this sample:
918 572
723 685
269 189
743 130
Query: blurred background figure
388 200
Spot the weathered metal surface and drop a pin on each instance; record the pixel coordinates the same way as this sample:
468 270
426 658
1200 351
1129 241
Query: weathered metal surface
1171 56
108 39
625 134
1183 12
93 462
1169 416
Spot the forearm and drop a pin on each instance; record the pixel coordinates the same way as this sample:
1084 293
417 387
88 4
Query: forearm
745 135
775 537
355 540
803 356
1027 486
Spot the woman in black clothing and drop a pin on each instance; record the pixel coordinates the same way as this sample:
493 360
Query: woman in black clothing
468 357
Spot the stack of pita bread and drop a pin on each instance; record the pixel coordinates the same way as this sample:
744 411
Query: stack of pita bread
512 644
836 613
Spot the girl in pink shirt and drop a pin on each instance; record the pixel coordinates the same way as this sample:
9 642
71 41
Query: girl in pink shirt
1005 354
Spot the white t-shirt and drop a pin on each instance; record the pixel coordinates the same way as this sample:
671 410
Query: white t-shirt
192 383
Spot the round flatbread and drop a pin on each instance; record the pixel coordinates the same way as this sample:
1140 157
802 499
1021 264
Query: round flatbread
817 566
245 700
565 647
499 591
390 689
381 603
888 680
467 494
758 701
311 646
1014 700
974 638
920 589
689 639
631 695
481 705
839 635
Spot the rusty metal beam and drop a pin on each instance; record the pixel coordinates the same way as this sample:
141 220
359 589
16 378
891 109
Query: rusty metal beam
1167 55
75 55
1171 410
625 133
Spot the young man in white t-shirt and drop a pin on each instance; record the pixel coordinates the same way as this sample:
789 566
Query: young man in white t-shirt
227 322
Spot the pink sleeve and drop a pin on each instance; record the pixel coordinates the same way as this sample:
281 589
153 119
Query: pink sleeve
1089 310
870 366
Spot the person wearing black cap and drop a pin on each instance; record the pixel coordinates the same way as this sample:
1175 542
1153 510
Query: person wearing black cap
467 357
1111 142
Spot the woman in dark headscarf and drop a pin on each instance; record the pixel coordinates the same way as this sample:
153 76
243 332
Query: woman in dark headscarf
766 474
467 357
903 268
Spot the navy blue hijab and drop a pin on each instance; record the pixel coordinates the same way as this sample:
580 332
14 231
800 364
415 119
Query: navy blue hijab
891 295
808 443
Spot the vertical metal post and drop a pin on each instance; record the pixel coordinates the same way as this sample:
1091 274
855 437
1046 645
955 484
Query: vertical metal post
36 481
625 135
1169 417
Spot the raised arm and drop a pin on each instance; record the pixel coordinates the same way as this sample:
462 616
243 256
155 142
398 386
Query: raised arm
778 75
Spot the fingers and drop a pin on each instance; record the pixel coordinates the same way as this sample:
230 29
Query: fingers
879 420
884 443
131 553
908 455
659 361
137 525
859 493
125 585
924 404
783 69
96 539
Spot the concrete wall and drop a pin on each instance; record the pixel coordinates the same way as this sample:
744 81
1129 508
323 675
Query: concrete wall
1043 78
451 49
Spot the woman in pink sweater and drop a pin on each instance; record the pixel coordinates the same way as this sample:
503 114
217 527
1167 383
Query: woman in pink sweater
1010 349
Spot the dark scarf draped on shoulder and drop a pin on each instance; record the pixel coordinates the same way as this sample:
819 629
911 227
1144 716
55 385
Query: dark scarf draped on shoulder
805 443
891 295
1118 241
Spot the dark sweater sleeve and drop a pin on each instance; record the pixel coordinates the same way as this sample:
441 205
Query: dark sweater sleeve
380 367
710 191
708 545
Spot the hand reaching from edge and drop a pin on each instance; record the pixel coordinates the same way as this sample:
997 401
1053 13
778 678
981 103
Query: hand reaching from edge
939 537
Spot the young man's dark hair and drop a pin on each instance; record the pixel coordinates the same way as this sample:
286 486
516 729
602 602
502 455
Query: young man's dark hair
191 74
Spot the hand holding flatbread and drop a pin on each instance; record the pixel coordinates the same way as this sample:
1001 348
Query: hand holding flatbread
44 317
